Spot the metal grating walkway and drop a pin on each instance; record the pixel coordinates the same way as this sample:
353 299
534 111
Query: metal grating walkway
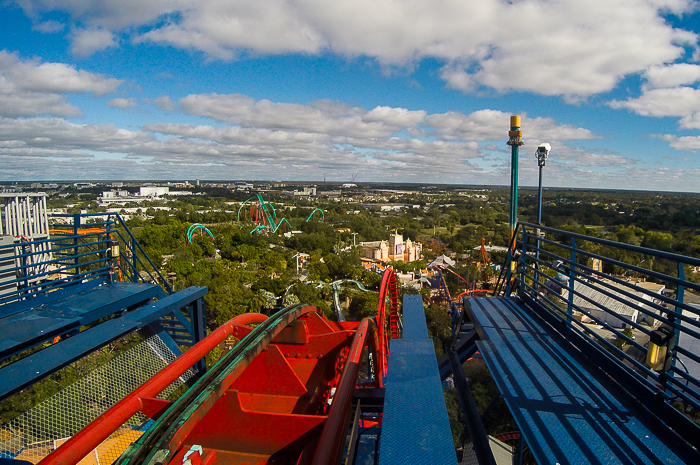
415 428
568 410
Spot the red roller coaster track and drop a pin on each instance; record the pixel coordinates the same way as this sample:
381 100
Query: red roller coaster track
281 395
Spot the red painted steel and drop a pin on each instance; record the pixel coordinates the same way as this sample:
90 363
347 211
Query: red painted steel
474 292
77 447
332 438
274 409
388 289
286 401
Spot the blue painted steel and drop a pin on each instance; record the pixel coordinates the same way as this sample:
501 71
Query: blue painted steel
588 288
568 410
415 428
44 322
114 226
42 299
414 317
28 370
465 348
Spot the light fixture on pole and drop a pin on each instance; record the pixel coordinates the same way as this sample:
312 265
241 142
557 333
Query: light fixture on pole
542 153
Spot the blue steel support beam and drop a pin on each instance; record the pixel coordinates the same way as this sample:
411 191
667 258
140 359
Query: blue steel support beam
199 330
415 428
477 433
30 369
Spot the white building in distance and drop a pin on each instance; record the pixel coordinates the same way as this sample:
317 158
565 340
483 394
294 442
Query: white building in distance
396 249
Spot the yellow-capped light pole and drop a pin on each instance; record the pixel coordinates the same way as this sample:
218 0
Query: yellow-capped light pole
514 141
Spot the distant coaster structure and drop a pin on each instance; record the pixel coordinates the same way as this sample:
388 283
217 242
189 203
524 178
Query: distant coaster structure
198 227
264 216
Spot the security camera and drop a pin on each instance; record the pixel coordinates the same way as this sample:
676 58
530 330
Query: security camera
542 153
544 149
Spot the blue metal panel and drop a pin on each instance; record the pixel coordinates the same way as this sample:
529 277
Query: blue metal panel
415 428
32 368
38 324
414 317
568 411
42 299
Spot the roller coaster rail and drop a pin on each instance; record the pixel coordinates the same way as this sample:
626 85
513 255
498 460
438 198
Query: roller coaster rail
299 328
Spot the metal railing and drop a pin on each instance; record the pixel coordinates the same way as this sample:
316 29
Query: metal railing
75 251
589 285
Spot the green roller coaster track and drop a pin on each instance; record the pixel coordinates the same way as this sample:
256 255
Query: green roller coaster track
270 216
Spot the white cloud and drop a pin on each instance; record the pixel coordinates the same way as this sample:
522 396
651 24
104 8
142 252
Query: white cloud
294 141
17 102
48 27
123 103
85 42
685 143
164 103
676 101
574 48
668 91
493 125
31 88
673 75
31 75
326 117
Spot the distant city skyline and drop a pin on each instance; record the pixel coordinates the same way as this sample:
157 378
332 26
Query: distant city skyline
387 91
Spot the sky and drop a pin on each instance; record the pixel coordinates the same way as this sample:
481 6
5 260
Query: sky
376 90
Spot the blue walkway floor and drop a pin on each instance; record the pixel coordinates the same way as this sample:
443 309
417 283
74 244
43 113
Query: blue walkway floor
415 429
568 411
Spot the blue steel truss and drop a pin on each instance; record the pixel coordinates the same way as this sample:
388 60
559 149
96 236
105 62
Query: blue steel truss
94 286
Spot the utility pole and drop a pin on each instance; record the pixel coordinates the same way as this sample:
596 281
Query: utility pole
514 141
353 239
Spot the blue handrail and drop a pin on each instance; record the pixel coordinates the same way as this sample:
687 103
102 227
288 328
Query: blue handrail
554 273
34 267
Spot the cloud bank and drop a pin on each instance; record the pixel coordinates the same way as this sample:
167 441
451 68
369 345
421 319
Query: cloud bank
572 48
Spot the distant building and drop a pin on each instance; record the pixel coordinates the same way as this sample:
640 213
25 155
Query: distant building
114 194
584 293
153 191
396 249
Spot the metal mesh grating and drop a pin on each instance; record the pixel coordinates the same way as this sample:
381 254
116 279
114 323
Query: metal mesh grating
37 432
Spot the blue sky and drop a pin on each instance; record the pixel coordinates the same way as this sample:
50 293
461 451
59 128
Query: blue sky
395 90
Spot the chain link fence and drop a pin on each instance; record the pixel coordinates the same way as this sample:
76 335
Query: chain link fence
37 432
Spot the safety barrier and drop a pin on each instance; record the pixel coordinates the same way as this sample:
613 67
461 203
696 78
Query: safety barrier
636 312
76 251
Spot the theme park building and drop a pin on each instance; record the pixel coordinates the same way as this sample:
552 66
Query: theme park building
396 249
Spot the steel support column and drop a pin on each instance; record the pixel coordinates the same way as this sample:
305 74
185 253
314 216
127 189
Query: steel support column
514 141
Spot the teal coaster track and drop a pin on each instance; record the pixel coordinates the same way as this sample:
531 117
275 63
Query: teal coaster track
265 216
197 226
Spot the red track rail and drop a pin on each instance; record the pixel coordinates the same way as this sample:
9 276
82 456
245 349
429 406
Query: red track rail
142 399
389 289
282 395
